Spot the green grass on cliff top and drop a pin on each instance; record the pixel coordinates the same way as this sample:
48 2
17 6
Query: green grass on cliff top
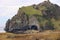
30 10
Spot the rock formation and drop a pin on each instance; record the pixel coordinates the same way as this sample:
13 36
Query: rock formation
37 17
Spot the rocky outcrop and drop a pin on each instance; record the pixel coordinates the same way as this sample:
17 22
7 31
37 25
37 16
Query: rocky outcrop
17 23
22 22
36 17
34 23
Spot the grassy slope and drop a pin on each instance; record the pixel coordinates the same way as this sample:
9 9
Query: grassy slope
30 10
56 23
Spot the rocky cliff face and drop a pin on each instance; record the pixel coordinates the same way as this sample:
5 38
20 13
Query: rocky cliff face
18 22
43 16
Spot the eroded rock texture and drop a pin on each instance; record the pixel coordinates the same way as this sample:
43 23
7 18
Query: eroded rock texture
37 17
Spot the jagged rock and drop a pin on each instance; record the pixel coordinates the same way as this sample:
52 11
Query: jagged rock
34 23
18 22
7 25
33 18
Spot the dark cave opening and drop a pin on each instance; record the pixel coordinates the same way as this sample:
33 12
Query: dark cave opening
34 27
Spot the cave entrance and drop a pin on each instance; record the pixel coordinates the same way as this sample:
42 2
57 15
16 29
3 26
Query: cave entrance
34 27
